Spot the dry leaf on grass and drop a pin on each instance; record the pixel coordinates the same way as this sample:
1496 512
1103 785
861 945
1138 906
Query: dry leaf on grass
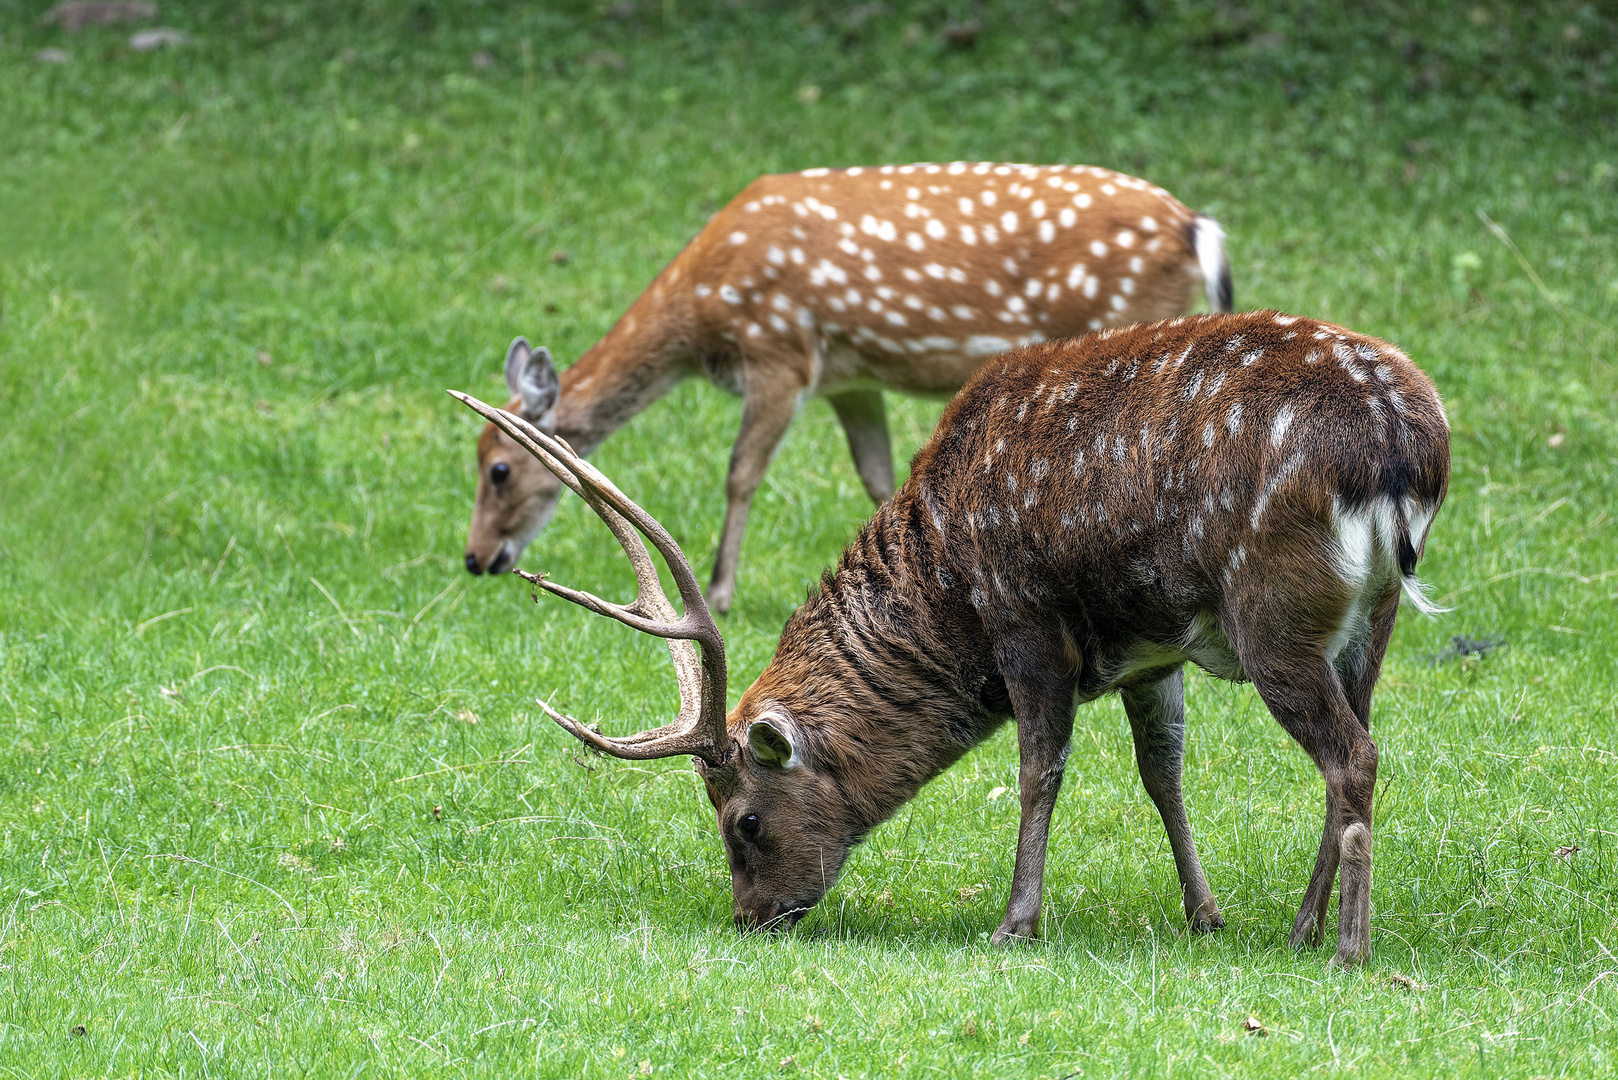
1252 1026
1407 983
1567 851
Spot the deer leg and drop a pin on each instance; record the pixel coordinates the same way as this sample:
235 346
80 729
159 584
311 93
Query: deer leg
1359 678
1358 675
1157 718
1040 679
767 411
866 425
1304 694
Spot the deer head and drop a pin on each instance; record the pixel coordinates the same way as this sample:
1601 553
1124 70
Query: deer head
787 828
516 495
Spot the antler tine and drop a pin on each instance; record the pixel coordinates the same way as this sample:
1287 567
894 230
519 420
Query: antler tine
700 727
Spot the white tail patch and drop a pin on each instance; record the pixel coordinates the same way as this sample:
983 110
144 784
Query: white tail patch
1208 240
1368 545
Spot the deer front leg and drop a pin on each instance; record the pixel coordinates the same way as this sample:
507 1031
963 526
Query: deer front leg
1157 718
1040 679
767 411
866 424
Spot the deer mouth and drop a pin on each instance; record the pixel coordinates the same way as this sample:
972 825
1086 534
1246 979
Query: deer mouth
503 559
498 563
783 916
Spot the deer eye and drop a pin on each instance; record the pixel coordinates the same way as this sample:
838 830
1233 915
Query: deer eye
499 471
748 827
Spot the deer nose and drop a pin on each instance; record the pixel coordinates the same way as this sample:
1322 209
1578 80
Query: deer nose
472 564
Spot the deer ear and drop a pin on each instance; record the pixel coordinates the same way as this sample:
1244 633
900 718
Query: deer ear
531 378
771 744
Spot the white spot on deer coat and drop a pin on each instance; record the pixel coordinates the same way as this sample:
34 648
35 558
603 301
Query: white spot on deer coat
1278 426
985 345
729 295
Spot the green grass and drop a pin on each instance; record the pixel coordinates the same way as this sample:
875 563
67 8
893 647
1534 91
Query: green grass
276 797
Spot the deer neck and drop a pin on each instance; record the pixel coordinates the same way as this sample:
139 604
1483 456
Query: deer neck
888 668
638 361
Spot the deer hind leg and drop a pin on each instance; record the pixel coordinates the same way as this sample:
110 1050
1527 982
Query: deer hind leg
1157 718
767 410
1040 679
1304 694
866 424
1357 671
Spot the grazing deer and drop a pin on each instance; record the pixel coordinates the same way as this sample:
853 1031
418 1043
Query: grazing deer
1249 493
842 283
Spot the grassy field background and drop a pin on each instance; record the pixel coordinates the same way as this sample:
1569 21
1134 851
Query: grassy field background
276 797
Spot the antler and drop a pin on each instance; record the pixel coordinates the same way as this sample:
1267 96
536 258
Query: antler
700 727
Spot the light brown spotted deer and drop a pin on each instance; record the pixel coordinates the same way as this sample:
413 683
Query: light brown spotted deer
1249 493
843 283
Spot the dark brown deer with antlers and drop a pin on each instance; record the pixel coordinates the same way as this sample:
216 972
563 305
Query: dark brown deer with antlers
1249 493
840 283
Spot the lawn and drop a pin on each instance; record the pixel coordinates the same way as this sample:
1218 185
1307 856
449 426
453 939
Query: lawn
277 798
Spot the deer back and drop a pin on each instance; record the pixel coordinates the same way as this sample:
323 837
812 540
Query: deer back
911 275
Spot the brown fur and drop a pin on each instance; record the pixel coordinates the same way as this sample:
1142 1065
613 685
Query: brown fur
1089 515
842 283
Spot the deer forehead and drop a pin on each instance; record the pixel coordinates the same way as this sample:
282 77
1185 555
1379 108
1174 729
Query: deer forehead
492 441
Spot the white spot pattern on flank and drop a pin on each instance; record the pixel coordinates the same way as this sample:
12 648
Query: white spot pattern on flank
1097 248
1278 426
1233 419
1281 476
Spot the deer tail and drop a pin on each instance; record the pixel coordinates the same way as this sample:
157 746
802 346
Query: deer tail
1208 241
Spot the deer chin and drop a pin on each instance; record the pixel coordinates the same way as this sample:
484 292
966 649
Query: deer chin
504 559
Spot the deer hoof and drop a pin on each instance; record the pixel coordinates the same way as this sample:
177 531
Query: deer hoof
1347 961
1014 931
